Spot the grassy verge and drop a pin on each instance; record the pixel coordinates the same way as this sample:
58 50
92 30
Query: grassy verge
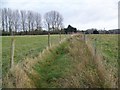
50 65
107 48
25 46
74 68
67 65
54 66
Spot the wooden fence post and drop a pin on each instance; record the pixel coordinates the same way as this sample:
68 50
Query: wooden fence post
60 35
84 37
12 52
48 39
48 35
95 48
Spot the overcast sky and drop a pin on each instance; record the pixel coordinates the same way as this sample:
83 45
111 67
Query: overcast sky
82 14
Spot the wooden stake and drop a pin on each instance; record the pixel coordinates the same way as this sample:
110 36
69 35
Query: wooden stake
12 52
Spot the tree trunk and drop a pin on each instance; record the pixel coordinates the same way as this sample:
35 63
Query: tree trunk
29 26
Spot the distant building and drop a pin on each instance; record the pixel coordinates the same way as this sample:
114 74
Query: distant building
114 31
90 31
95 31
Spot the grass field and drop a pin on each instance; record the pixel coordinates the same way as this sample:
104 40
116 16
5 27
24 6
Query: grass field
25 46
69 64
107 45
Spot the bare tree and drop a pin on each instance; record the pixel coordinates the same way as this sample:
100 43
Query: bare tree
54 21
6 18
47 23
3 20
32 20
16 16
10 20
38 21
23 19
29 19
58 21
58 25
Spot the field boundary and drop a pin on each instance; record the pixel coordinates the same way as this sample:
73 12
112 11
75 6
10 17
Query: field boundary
105 76
22 70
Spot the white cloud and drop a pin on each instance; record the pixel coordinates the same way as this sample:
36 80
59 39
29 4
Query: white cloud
82 14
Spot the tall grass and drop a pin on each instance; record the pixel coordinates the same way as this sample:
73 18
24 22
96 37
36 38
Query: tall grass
107 76
25 46
70 64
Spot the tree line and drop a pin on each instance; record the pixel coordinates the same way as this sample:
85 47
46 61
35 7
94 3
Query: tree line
29 22
96 31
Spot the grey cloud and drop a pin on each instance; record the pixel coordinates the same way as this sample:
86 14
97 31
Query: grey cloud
80 13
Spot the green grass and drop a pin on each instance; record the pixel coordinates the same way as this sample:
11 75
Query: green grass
71 63
107 45
54 66
25 46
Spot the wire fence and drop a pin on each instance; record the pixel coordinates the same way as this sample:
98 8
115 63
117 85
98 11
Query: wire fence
102 51
31 46
17 48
